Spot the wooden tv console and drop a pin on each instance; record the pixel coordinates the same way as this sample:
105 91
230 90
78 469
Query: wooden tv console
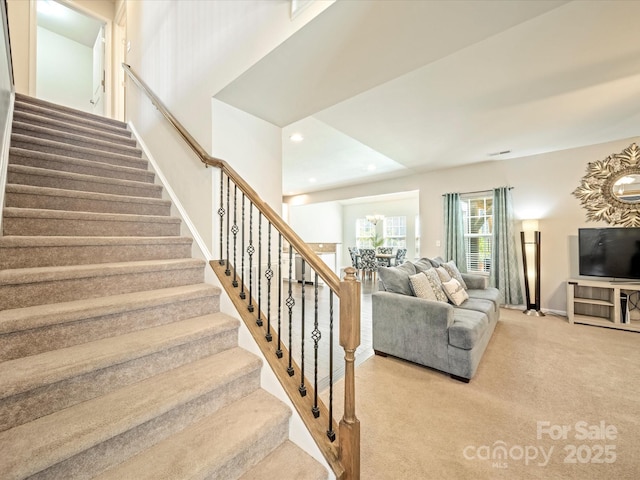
598 302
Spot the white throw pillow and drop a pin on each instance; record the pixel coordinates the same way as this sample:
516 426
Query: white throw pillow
421 286
455 292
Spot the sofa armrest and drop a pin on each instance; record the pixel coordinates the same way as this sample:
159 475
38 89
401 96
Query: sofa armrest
475 281
412 328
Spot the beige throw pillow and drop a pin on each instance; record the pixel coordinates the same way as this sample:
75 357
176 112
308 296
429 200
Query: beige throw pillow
436 284
422 287
443 274
454 272
455 292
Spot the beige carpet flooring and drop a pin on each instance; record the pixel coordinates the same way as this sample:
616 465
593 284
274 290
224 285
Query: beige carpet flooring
418 423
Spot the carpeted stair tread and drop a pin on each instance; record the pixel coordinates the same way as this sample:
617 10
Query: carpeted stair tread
25 287
53 178
221 446
123 138
46 251
37 316
33 221
84 140
24 100
287 462
48 198
37 445
51 146
51 161
27 373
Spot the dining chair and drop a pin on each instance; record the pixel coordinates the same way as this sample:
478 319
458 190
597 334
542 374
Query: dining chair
400 254
368 262
355 260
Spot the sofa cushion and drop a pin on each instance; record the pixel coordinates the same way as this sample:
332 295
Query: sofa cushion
423 265
454 272
468 328
454 291
396 279
421 286
490 293
436 284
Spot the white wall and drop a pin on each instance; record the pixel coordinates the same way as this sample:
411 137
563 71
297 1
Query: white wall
542 186
317 223
64 70
6 98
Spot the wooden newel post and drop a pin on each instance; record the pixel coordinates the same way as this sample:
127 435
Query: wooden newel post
349 340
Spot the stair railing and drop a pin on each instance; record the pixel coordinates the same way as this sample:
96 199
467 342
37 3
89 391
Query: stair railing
252 266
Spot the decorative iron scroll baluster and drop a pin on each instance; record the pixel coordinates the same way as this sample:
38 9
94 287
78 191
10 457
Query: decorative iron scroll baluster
227 272
259 274
221 213
269 275
250 251
330 433
302 388
243 295
234 230
315 335
279 349
290 303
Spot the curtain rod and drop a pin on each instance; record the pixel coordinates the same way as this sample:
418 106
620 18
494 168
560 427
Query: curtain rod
477 191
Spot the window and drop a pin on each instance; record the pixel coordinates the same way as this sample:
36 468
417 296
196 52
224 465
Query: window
365 231
477 211
395 232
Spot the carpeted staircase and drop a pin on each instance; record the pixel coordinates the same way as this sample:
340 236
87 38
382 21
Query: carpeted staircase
115 361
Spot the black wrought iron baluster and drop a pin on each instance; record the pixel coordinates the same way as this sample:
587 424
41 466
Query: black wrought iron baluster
234 230
243 295
259 275
227 271
302 388
250 250
221 213
330 433
290 304
316 336
269 275
279 349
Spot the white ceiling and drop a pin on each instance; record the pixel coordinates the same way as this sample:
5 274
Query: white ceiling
67 22
410 86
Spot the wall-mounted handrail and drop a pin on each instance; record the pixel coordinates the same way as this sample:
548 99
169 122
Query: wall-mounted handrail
314 261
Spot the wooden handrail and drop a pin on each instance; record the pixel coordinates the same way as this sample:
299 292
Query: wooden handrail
321 268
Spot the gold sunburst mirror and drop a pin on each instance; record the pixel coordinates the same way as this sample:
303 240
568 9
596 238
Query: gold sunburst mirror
610 191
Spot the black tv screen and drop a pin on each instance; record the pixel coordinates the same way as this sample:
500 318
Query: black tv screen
609 252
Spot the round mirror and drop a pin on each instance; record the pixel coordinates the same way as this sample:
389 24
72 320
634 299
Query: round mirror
627 188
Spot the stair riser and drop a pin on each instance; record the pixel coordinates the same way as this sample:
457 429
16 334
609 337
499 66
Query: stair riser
38 340
84 168
115 450
121 138
71 227
65 115
22 408
77 140
65 290
28 257
84 154
55 202
81 184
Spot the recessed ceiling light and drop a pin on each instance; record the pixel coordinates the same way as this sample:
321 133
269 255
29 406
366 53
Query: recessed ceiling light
371 168
312 180
296 137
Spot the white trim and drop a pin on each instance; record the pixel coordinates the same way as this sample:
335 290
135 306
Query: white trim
4 154
172 195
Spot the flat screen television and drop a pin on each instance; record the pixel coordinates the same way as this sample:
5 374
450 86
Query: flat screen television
609 252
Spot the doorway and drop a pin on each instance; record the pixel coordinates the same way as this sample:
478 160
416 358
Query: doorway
71 67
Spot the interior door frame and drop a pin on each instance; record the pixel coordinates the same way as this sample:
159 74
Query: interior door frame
108 48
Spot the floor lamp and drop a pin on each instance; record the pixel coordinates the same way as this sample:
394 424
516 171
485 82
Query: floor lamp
530 239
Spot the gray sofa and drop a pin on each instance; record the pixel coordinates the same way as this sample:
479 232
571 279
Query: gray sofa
433 333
